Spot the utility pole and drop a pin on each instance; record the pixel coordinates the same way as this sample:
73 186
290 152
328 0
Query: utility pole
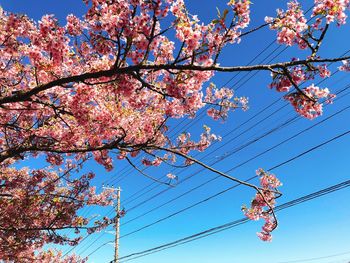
117 223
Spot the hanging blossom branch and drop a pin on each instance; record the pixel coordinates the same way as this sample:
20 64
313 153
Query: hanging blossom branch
265 196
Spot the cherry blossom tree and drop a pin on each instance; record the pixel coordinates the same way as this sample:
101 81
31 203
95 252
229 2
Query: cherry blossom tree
35 204
48 256
105 86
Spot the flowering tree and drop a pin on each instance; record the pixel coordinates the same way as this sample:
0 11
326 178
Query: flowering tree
106 85
49 256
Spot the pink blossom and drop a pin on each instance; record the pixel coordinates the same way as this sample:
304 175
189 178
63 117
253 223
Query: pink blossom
264 236
334 10
307 104
263 202
290 24
324 71
171 176
345 66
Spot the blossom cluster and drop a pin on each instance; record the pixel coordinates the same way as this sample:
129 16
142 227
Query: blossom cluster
333 10
52 255
222 102
282 83
263 203
307 103
290 25
345 66
241 9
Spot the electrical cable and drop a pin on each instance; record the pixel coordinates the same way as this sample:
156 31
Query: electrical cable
234 186
235 167
235 223
272 168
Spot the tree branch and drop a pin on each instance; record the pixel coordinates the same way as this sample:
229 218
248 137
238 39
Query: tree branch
25 95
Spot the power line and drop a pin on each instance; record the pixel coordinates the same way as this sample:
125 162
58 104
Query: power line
235 167
230 132
315 258
226 155
236 185
235 223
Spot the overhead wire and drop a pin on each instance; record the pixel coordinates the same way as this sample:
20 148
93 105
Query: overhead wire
236 185
316 258
249 179
210 151
235 167
230 132
235 223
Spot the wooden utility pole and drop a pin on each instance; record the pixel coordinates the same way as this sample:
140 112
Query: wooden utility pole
117 225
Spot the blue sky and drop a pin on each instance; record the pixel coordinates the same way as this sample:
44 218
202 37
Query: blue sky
316 228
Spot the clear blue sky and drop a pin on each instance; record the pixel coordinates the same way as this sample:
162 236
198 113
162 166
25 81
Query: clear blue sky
316 228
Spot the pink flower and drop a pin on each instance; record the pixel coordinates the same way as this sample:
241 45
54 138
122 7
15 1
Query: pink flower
263 202
73 26
290 25
264 236
334 10
323 71
345 66
171 176
309 105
